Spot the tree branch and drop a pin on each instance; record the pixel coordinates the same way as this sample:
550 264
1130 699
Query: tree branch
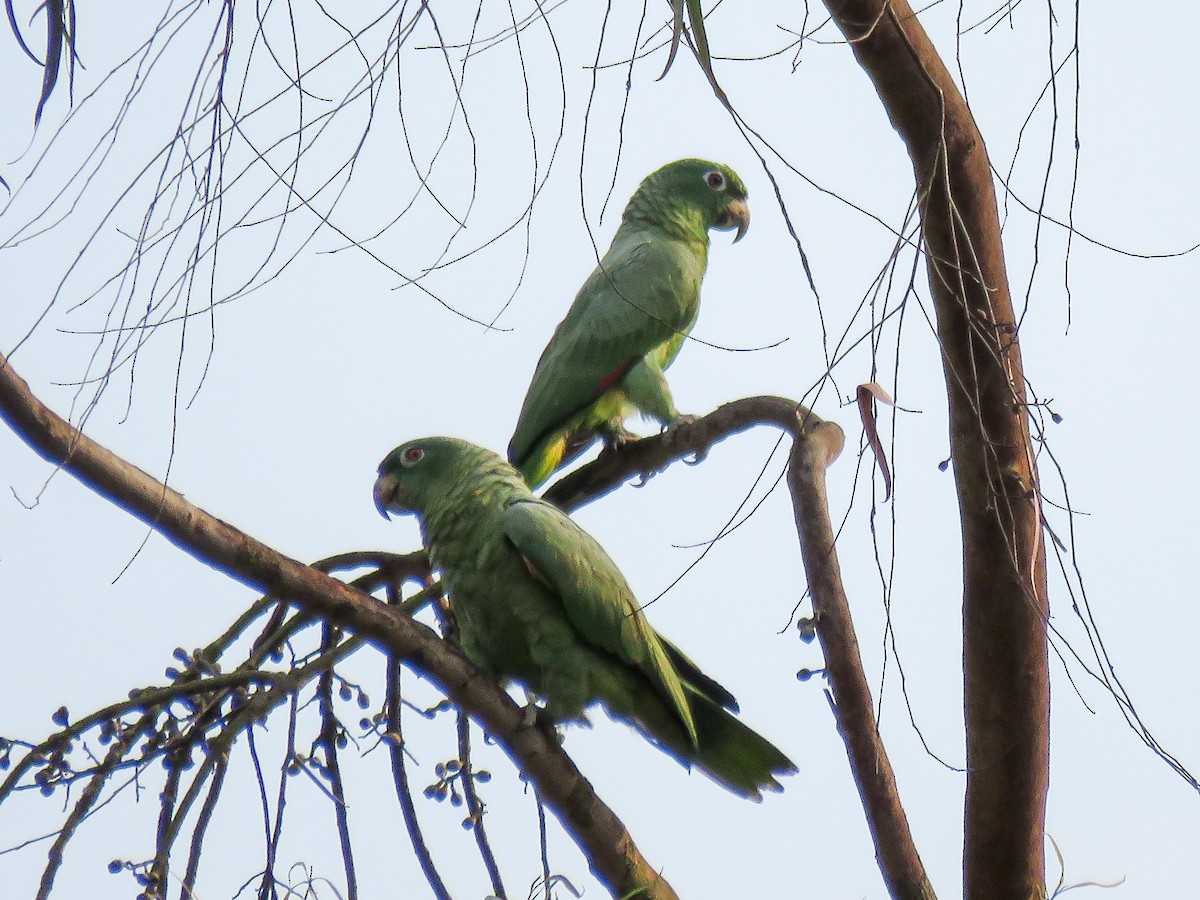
653 454
899 862
605 841
817 443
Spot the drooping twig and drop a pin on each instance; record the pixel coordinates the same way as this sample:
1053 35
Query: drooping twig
475 805
332 768
394 736
221 766
273 831
543 848
168 798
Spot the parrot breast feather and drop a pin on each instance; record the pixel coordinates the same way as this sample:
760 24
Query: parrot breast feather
597 599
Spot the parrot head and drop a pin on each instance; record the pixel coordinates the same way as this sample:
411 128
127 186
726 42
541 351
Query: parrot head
712 189
410 472
415 476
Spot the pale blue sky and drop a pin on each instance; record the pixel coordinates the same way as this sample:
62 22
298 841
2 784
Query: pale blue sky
316 375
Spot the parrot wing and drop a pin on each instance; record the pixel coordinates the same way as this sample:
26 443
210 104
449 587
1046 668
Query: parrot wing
597 599
644 292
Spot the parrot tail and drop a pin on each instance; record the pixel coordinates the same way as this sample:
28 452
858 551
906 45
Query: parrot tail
726 750
733 754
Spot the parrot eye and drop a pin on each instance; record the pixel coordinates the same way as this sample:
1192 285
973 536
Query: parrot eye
715 179
412 456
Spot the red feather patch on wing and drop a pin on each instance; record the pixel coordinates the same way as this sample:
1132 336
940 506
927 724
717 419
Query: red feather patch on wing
613 377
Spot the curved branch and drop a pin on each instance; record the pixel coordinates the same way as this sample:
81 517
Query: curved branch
899 862
653 454
817 443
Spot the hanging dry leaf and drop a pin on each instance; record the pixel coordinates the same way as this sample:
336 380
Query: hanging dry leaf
867 395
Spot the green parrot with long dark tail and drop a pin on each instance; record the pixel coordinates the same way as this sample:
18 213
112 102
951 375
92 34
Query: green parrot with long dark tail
607 357
539 602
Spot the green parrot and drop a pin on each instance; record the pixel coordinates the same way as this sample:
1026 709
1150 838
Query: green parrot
606 358
539 602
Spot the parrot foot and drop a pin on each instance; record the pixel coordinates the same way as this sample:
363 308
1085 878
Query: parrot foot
700 455
617 438
530 717
537 717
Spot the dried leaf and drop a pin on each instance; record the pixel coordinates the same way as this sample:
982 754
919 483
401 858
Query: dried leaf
867 395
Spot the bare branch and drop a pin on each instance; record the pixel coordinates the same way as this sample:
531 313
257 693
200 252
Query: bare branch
895 849
696 438
600 834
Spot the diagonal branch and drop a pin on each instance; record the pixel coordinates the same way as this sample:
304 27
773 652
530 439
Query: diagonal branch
850 694
600 834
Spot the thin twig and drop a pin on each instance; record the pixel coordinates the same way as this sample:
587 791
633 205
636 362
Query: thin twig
328 741
394 737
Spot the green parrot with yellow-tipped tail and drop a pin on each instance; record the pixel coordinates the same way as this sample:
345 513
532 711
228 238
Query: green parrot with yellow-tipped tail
539 602
607 357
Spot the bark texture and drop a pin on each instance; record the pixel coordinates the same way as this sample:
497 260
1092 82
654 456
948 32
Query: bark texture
1007 699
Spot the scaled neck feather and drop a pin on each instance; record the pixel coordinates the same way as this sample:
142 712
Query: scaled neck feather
487 486
651 208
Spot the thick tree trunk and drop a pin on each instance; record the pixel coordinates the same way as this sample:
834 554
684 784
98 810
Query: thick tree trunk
1007 699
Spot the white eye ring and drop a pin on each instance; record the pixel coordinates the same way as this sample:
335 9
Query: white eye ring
412 456
715 179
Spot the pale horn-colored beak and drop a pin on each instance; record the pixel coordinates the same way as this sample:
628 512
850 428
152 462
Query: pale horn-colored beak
737 214
384 493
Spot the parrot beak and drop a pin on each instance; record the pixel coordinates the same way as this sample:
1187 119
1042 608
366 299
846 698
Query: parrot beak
385 494
736 214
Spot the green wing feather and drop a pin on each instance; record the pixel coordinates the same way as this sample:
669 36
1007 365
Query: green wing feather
691 717
597 599
645 294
